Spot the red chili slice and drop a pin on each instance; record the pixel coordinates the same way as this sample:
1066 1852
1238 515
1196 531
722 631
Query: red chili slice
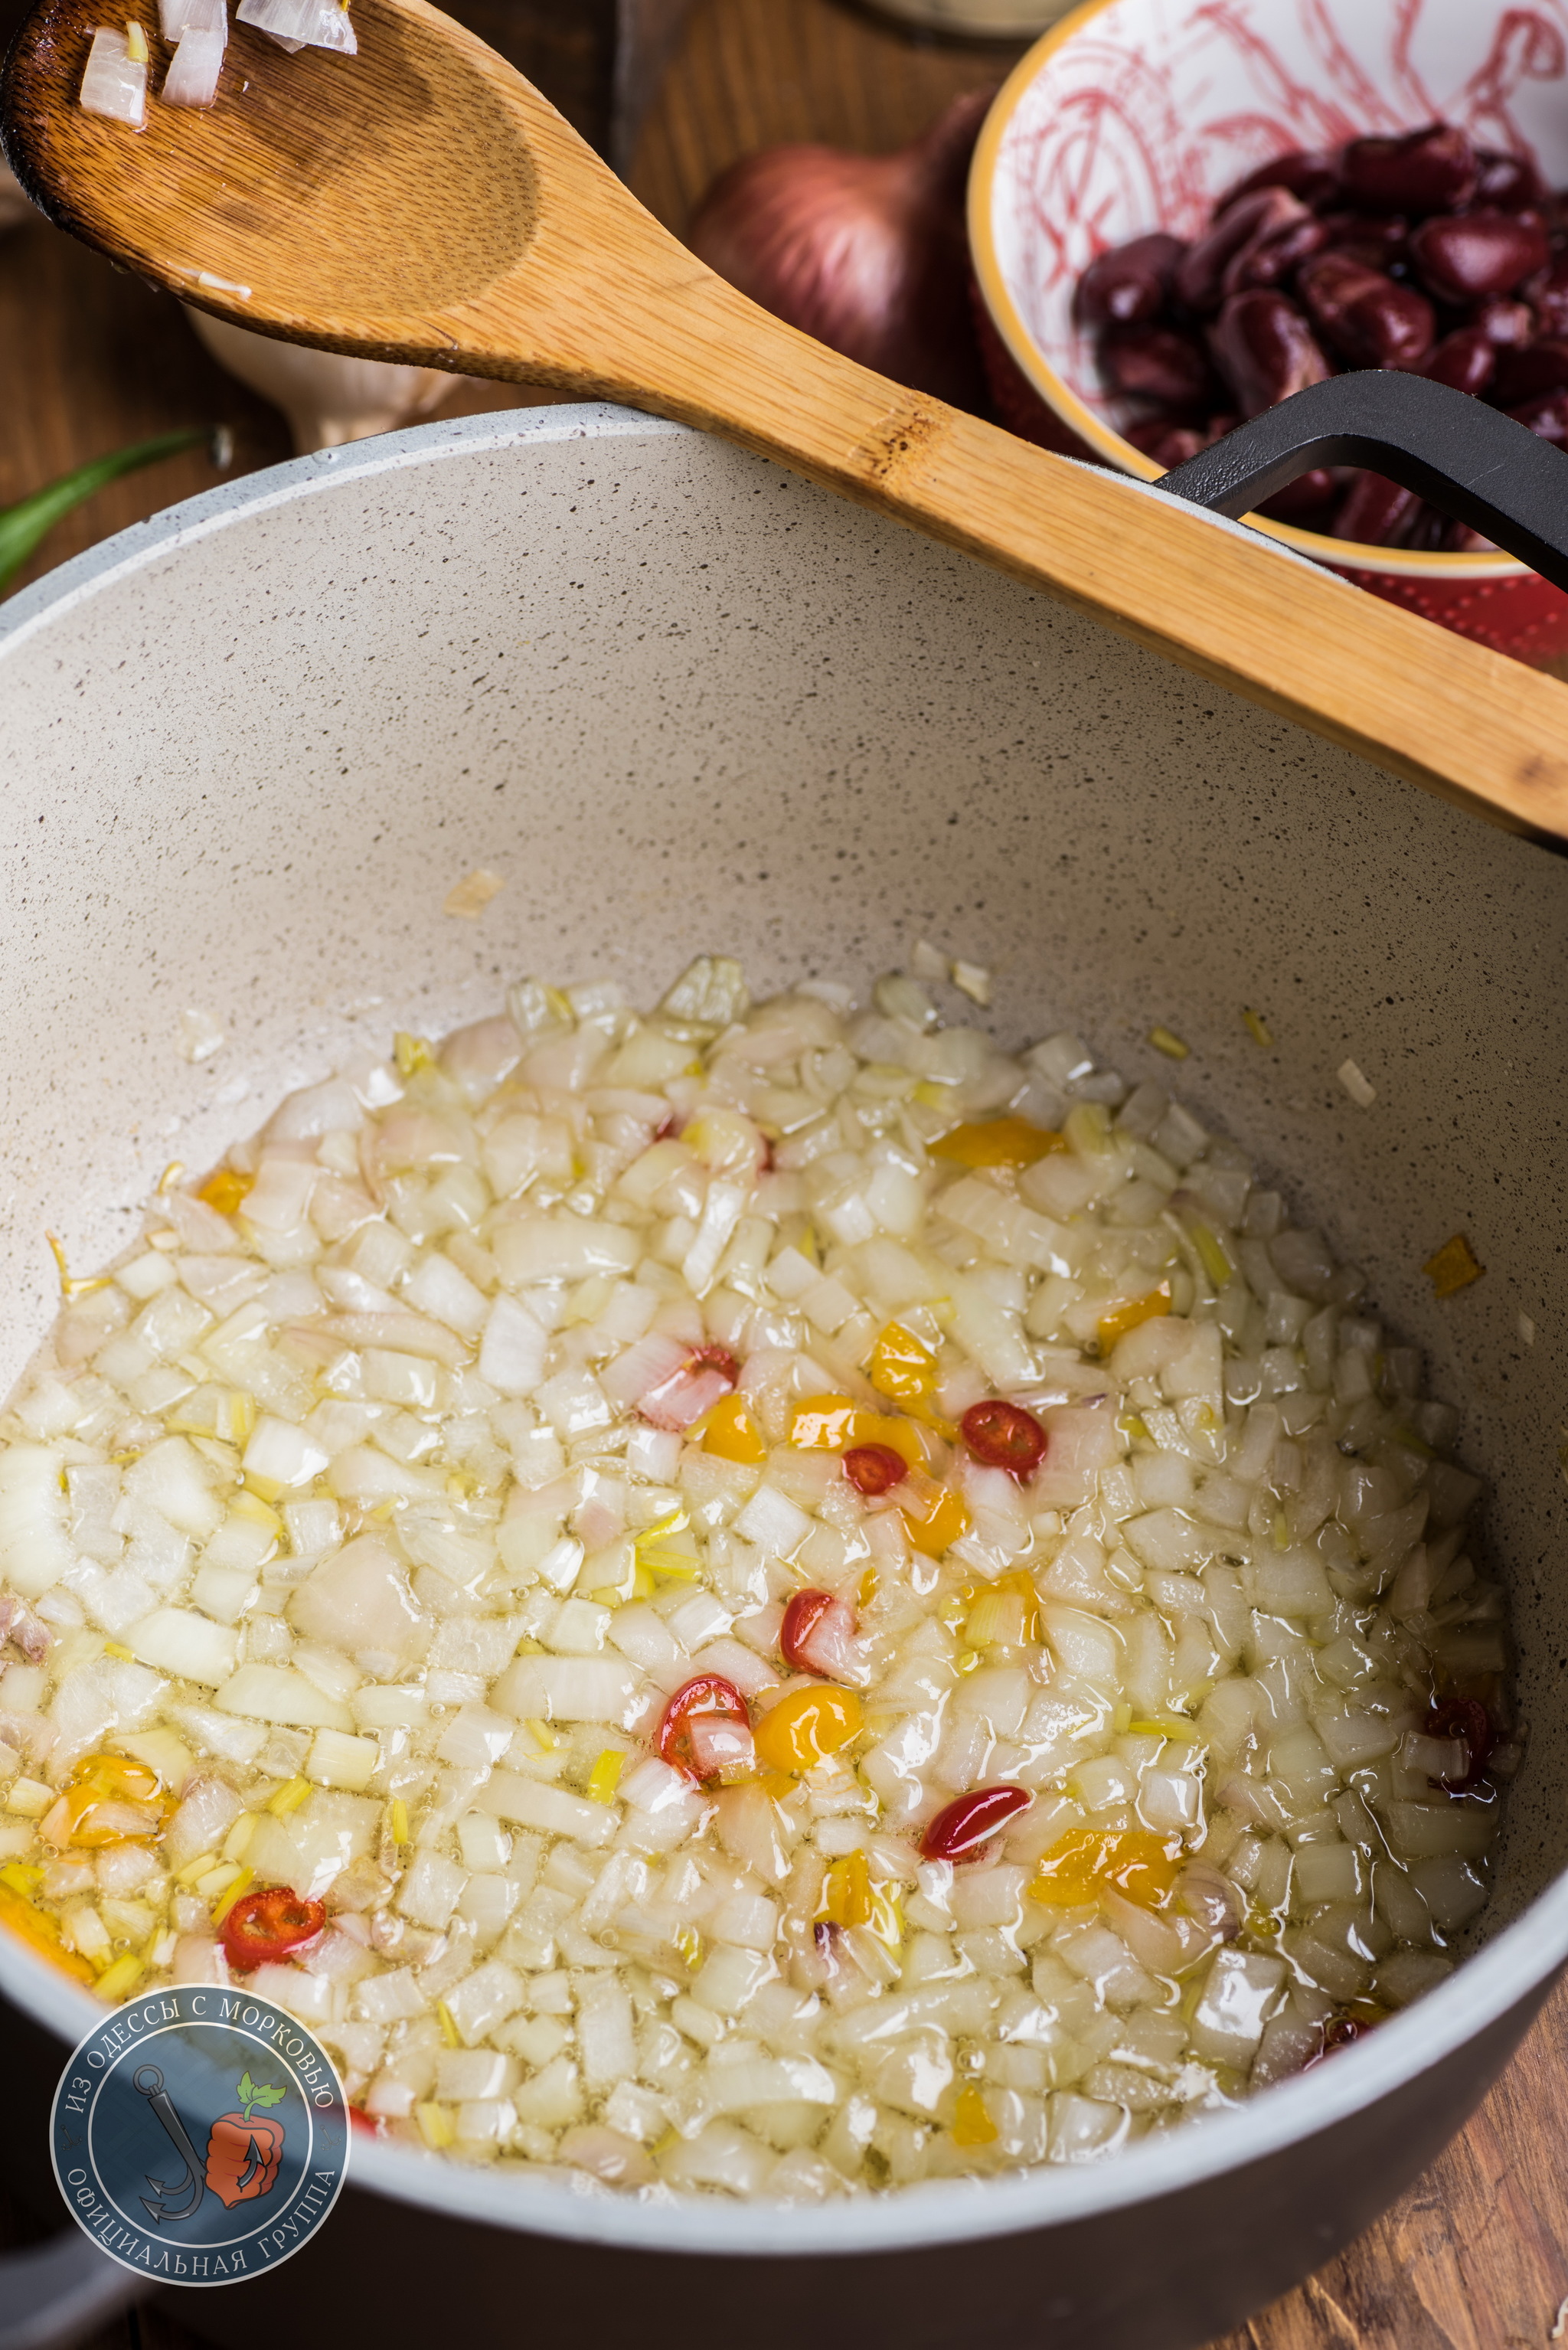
693 1387
957 1832
875 1467
1005 1435
270 1925
1341 2032
705 1730
1464 1718
817 1634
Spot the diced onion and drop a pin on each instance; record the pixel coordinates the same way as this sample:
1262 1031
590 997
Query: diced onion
481 1435
302 24
192 76
114 82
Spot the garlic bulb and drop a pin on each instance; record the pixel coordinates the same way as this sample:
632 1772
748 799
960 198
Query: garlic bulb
328 399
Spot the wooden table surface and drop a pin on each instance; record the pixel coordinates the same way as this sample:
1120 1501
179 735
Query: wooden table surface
1475 2257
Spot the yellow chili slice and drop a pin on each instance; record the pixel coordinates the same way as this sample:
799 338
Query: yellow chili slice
933 1516
901 1367
806 1727
39 1931
226 1189
730 1432
972 2126
1085 1862
1123 1318
825 1424
108 1799
998 1142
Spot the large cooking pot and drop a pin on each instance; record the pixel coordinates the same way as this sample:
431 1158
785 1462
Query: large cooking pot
681 699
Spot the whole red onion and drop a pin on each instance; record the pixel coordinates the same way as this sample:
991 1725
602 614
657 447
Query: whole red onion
868 253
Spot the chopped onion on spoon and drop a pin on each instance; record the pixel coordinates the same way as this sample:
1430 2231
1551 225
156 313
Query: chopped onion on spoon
192 77
115 82
178 17
302 24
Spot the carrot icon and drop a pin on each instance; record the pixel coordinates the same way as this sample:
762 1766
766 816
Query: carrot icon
243 2150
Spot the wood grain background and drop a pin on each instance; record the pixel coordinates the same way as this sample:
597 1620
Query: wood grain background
90 359
1475 2257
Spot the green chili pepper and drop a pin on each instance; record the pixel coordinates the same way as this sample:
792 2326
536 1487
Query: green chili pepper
24 524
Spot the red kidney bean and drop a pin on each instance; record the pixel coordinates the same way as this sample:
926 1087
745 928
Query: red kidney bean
1425 534
1525 375
1547 416
1129 286
1172 444
1547 295
1420 253
1373 321
1159 363
1199 281
1314 179
1509 181
1459 538
1375 510
1428 171
1169 444
1265 349
1303 500
1465 361
1380 240
1468 256
1269 259
1509 325
960 1829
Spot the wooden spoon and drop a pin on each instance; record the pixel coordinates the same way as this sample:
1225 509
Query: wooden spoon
421 202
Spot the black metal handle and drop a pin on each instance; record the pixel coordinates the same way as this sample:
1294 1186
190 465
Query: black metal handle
1472 462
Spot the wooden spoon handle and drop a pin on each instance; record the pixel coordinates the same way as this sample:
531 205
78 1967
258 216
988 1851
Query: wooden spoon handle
430 207
1473 726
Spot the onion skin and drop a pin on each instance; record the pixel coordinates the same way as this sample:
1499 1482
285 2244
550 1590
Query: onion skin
868 253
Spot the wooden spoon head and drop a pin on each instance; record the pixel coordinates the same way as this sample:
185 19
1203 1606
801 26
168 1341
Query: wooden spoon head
347 201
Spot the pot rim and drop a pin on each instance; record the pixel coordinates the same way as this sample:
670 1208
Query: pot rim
1336 553
1499 1976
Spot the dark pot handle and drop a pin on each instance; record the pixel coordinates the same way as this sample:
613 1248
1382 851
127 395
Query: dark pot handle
54 2292
1472 462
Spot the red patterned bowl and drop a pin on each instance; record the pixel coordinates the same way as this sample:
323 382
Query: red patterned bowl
1133 115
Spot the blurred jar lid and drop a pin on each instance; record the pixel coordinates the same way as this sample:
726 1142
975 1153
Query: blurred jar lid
1002 20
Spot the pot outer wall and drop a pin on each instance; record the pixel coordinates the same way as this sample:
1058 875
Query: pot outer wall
403 2276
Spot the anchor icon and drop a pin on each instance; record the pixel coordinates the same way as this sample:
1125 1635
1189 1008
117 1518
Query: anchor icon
191 2185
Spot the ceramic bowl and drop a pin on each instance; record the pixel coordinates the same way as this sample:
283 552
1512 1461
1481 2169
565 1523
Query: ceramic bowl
1133 115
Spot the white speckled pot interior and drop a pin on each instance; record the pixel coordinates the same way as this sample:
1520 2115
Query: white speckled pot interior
681 700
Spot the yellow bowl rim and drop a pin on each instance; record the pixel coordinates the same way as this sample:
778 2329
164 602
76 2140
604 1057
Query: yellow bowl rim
1342 554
